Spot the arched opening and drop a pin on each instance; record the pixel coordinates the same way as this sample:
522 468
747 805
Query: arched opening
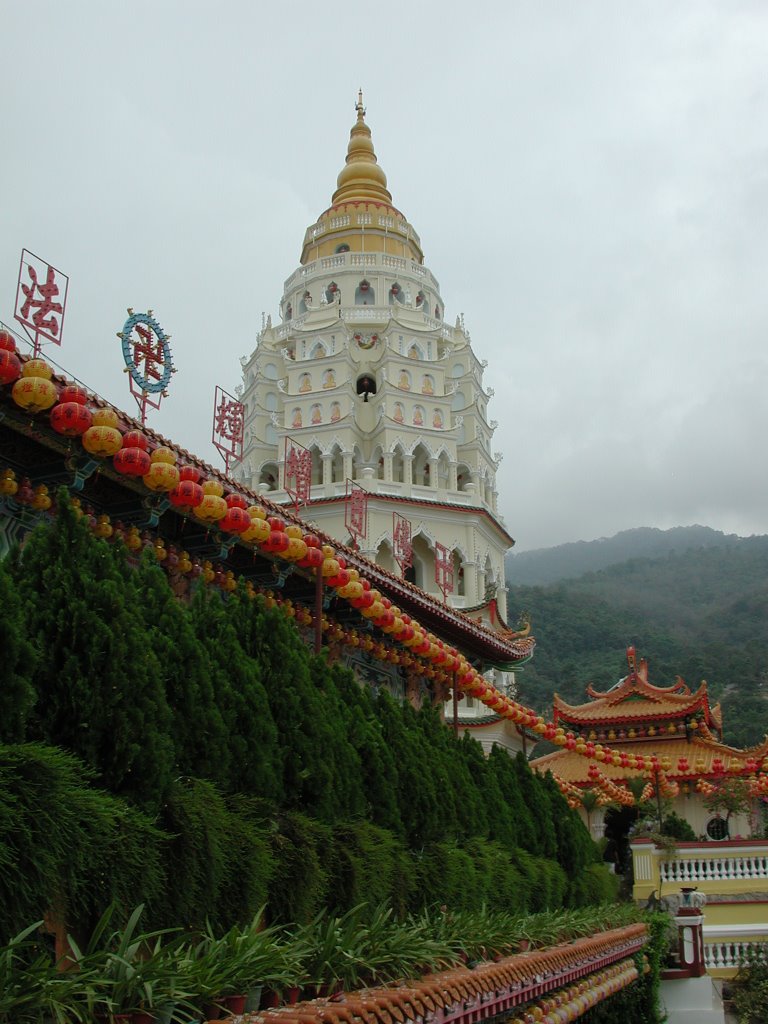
366 385
337 465
459 401
365 294
269 475
458 573
415 352
305 303
396 294
357 463
398 466
421 469
331 292
386 559
443 471
317 466
421 302
423 567
378 462
463 476
342 248
289 312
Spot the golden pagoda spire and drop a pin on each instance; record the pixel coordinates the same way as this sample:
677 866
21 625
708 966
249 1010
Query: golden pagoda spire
361 179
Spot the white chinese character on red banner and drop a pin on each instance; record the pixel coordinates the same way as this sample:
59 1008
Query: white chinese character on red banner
402 548
228 426
298 472
41 299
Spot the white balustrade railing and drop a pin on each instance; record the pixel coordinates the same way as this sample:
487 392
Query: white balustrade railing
354 260
714 868
726 954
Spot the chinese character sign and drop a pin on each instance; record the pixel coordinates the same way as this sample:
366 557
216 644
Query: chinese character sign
444 569
356 510
401 541
298 472
147 358
228 427
41 299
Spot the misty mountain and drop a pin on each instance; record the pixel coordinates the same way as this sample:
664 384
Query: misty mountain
700 612
567 561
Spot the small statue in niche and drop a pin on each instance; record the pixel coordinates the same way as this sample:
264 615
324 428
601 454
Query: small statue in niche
398 415
437 420
335 412
296 421
418 416
305 383
404 381
316 415
329 379
427 385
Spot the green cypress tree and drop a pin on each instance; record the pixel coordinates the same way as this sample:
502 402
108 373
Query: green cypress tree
305 733
254 760
197 729
97 681
16 663
518 815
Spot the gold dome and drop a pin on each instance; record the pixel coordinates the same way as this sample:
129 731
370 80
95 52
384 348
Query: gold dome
361 179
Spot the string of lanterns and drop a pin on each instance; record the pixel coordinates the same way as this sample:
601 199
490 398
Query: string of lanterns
35 392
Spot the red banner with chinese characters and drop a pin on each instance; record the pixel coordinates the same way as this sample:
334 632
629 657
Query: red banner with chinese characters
443 569
41 299
298 472
356 511
402 549
228 427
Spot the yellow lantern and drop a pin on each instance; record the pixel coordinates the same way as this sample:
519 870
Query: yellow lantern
103 438
297 547
42 499
103 527
8 483
163 474
213 506
258 531
34 391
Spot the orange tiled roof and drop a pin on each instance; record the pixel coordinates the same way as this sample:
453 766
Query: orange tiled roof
572 767
634 699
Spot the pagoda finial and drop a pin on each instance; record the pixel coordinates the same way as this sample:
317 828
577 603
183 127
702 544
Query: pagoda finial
361 179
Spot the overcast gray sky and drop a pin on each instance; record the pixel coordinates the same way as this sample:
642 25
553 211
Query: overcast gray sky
589 180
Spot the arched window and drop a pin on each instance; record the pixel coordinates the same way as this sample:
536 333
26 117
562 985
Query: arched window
332 292
342 248
420 466
269 475
317 465
385 558
398 466
305 303
364 294
396 294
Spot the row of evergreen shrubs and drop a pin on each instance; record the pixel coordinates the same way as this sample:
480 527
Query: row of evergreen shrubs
236 765
65 845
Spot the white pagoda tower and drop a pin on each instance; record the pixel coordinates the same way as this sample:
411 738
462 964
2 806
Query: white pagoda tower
364 372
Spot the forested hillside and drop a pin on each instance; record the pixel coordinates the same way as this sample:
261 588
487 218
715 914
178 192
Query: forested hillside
701 614
569 561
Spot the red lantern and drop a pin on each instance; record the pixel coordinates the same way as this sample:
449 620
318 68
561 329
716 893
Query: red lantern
235 500
186 494
190 473
71 417
132 462
276 542
313 558
135 439
236 520
10 366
